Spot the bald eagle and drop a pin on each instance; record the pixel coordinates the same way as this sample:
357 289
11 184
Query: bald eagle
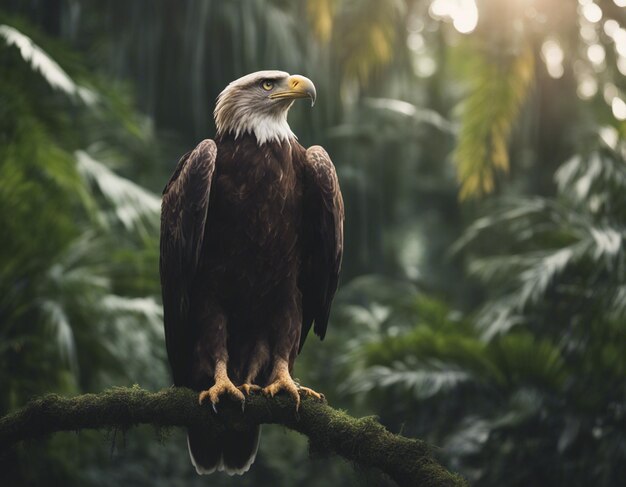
251 247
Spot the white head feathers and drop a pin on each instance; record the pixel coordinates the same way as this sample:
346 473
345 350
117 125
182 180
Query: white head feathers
258 104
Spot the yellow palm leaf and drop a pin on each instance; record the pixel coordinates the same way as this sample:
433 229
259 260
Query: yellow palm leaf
499 88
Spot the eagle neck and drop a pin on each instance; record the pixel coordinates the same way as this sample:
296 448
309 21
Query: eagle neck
248 144
261 140
265 126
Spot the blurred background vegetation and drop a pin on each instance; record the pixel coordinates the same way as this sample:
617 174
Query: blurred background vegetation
481 152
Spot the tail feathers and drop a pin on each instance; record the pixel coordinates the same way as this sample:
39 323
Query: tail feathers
205 451
231 451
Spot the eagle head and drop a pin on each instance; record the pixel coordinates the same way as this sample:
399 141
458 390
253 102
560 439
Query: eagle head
258 104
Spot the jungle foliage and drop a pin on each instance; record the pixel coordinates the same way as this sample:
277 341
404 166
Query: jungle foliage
482 306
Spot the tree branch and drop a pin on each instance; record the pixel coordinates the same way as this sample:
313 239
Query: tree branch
362 441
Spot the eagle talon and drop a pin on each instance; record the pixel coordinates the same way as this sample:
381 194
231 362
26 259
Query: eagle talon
306 391
202 397
248 388
284 384
222 386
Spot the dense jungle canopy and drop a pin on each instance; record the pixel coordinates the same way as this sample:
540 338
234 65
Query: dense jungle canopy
480 146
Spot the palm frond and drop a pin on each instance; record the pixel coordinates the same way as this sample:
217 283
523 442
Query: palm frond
497 268
608 243
527 360
409 110
581 229
61 329
39 61
469 437
365 35
420 347
320 14
595 181
618 303
422 382
498 316
515 213
472 434
133 205
147 308
133 333
500 87
536 279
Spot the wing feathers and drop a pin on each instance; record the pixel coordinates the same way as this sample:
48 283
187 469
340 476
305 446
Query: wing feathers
183 217
323 240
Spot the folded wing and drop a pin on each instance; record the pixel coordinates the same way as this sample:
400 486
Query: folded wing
322 241
183 218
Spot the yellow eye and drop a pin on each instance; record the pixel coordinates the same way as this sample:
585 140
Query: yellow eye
267 85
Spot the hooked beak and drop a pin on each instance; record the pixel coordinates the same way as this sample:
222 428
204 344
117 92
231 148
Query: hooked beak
297 87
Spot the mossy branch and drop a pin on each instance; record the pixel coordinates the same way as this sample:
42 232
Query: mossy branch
362 441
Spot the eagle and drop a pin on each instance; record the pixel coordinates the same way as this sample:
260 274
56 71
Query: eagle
250 254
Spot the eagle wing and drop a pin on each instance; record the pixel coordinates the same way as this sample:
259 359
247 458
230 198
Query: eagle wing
183 217
322 241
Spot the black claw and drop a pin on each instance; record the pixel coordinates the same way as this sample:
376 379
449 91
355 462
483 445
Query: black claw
243 405
214 407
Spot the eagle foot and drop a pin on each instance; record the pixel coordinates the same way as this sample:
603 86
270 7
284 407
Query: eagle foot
249 388
222 386
284 383
306 391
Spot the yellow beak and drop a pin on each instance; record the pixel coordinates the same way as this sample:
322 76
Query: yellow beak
297 87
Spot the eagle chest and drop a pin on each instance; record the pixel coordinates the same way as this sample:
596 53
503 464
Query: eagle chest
257 207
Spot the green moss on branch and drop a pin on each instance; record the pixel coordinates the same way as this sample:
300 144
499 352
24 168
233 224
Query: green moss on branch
362 441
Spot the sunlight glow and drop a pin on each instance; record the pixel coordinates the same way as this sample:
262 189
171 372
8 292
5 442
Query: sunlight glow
610 27
415 41
463 13
596 54
620 3
466 18
621 65
592 12
619 108
424 66
588 32
552 54
587 88
610 92
415 24
442 8
619 37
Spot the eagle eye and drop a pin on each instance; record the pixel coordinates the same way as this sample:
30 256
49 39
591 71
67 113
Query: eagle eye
267 85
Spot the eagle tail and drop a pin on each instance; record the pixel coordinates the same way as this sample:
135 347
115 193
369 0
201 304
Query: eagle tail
232 451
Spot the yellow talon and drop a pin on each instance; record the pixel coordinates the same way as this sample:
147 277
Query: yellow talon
306 391
284 383
219 389
223 385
